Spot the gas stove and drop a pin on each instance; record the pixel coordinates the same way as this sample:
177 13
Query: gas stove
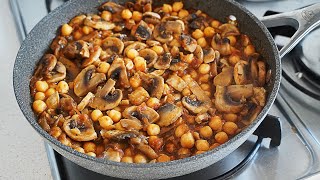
285 146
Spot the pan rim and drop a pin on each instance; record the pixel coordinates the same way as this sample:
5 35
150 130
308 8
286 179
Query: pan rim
257 121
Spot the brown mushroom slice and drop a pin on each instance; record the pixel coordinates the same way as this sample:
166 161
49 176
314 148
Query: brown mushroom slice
59 73
169 113
160 34
57 44
76 49
253 69
178 65
99 25
112 45
141 112
197 91
202 117
199 54
105 98
112 155
141 31
240 92
174 27
72 68
53 100
111 7
149 55
85 101
138 96
259 96
118 134
195 106
224 103
176 82
241 72
94 56
147 150
131 124
67 104
229 30
117 71
262 73
43 121
210 55
163 61
221 44
224 78
151 17
80 128
188 43
153 84
87 80
252 114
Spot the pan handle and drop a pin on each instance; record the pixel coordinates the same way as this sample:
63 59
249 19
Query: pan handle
304 20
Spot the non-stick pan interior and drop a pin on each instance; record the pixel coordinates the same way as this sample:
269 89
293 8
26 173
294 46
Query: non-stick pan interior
37 42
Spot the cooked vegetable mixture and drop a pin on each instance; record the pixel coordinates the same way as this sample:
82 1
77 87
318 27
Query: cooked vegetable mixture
141 84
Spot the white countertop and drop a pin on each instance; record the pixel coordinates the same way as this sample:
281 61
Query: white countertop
23 153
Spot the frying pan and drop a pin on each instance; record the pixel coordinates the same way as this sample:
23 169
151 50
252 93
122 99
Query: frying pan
39 39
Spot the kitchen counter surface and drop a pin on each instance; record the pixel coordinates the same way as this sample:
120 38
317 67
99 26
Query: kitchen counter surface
22 150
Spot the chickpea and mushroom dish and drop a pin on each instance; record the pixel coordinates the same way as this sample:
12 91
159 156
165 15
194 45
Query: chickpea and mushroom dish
142 84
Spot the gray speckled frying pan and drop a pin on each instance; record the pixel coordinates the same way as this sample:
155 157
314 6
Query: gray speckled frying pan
37 42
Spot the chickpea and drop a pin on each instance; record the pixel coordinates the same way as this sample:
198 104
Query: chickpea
91 154
41 86
181 129
129 64
39 96
194 74
167 8
208 31
204 68
128 152
177 6
208 93
186 92
202 145
158 49
135 81
153 102
55 132
106 15
126 14
183 13
170 147
221 137
230 117
215 123
136 16
132 53
62 87
127 159
77 35
155 142
230 128
103 67
49 92
205 87
140 63
174 14
249 50
233 59
39 106
89 147
202 42
163 158
119 127
232 40
79 149
184 152
197 34
140 158
206 132
214 145
114 115
187 140
66 30
96 114
105 122
215 24
153 129
87 30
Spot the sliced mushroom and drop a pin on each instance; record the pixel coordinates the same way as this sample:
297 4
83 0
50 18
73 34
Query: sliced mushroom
169 113
112 45
53 100
151 43
221 44
107 98
253 112
67 104
153 84
253 69
202 117
141 112
177 65
77 49
174 27
138 96
72 68
141 31
118 72
224 78
196 22
131 124
188 43
149 55
151 17
94 56
136 45
80 128
210 55
57 44
44 121
229 30
147 150
240 92
198 91
111 7
199 54
85 101
87 80
224 103
52 70
118 134
195 106
259 96
176 82
99 25
241 72
160 33
262 73
163 61
112 155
